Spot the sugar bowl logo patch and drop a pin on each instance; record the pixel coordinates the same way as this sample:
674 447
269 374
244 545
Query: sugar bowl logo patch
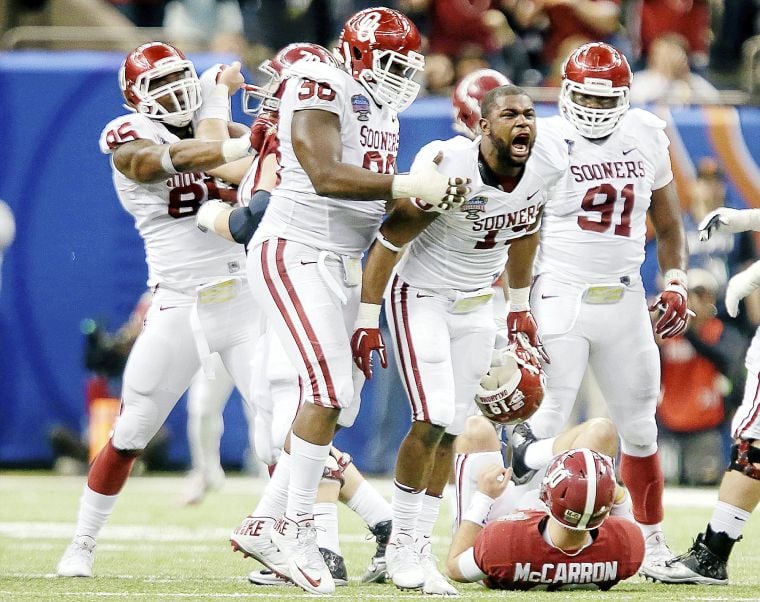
475 205
360 105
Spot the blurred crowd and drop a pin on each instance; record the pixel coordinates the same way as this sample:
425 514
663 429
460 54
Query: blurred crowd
682 50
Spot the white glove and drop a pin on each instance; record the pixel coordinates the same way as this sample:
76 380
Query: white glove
729 220
205 219
740 286
431 186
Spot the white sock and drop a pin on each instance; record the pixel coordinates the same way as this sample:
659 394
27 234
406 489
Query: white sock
306 469
326 521
372 507
647 530
431 507
728 519
540 453
275 496
94 510
406 505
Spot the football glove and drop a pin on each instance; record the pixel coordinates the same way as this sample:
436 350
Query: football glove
741 285
729 220
368 338
671 303
523 322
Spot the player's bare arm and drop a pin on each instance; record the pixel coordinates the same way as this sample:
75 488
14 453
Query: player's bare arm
145 161
522 252
665 212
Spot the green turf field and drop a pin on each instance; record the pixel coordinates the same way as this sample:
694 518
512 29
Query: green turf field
153 549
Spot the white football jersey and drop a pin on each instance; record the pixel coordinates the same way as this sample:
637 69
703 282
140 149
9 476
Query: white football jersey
594 225
370 139
466 250
177 252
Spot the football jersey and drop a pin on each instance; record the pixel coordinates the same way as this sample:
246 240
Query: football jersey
369 135
466 250
513 554
594 225
177 252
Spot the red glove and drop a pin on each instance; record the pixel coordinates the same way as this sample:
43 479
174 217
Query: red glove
260 129
674 312
523 322
367 338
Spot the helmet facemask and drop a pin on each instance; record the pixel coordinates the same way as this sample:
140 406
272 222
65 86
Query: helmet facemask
593 122
184 93
390 82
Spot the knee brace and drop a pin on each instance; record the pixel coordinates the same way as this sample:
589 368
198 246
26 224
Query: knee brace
744 458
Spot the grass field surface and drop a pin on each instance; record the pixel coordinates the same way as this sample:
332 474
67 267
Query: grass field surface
155 549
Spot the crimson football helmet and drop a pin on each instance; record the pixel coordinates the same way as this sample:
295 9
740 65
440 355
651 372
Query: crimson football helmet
266 96
579 488
467 96
595 69
513 388
151 62
380 47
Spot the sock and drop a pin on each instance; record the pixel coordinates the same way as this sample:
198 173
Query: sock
109 470
94 510
275 496
372 507
728 519
645 483
431 507
306 469
720 543
539 453
326 521
406 505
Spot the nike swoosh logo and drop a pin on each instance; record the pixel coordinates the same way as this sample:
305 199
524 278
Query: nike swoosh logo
549 296
630 150
307 262
314 582
162 308
421 296
534 194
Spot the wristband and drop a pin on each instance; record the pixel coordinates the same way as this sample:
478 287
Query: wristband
368 316
216 105
166 161
236 148
477 511
386 243
676 275
519 299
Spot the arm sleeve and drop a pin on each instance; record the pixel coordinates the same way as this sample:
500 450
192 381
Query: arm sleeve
243 221
468 567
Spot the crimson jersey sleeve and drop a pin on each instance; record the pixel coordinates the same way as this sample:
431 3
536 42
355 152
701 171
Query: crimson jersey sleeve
513 554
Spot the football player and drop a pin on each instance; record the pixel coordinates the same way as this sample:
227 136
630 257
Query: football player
276 391
706 562
200 304
588 298
338 133
572 541
440 304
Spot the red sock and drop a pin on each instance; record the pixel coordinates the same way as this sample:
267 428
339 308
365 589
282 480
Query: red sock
109 470
645 482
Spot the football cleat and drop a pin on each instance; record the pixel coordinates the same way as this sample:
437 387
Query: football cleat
78 558
520 438
403 562
336 565
377 571
699 566
297 540
253 537
268 577
435 583
656 550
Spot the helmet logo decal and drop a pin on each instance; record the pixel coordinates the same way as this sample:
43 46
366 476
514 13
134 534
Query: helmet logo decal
367 26
556 476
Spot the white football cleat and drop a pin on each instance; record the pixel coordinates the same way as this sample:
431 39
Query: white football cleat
435 583
253 537
267 577
78 558
656 551
297 541
403 562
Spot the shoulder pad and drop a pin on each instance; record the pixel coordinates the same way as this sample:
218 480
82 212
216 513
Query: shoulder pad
315 70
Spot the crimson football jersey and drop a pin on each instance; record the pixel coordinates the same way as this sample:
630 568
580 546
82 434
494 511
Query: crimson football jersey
513 554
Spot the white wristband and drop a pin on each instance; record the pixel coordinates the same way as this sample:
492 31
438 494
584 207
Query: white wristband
207 214
676 275
477 511
753 219
216 105
368 316
236 148
166 161
519 299
386 243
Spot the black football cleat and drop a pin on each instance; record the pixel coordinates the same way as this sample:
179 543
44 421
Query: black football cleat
376 572
520 438
699 566
336 566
